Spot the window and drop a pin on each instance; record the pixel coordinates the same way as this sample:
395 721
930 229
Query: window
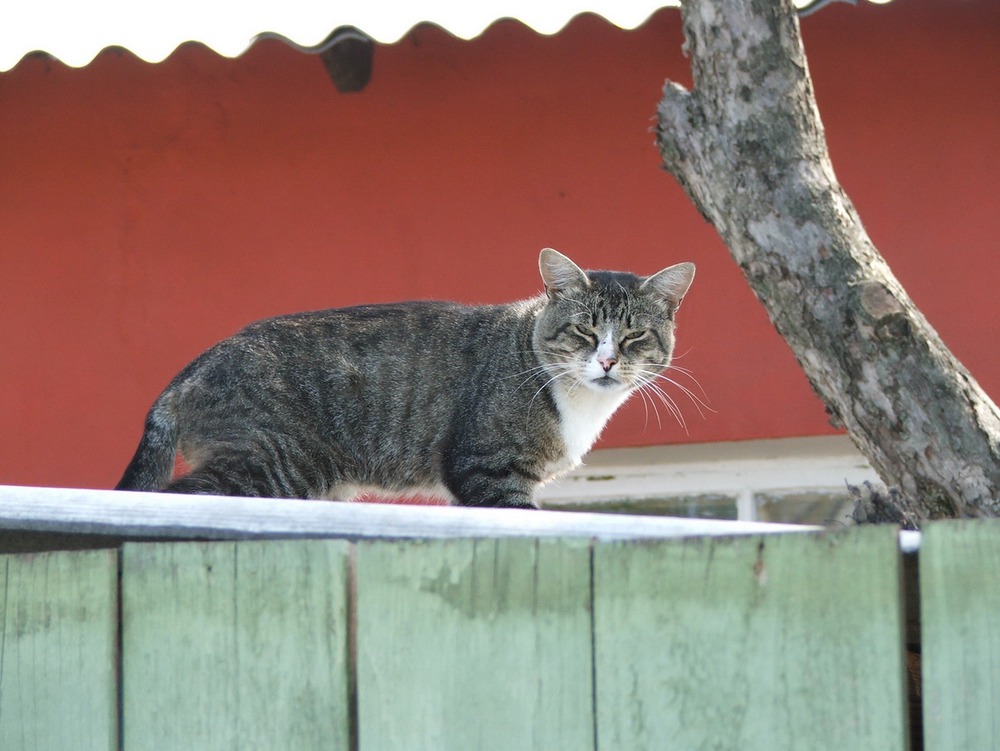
793 480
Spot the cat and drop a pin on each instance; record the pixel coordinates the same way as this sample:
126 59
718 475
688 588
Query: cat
476 404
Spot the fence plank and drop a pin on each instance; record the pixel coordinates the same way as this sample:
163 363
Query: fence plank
960 626
118 516
235 645
58 633
790 642
474 644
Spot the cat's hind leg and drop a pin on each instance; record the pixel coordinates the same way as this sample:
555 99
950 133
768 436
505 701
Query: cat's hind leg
246 474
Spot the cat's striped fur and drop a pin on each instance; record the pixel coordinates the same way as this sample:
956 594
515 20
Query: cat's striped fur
480 404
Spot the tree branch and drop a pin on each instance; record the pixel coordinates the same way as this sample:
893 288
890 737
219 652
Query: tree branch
747 144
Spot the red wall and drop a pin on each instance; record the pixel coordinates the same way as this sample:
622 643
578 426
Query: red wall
149 210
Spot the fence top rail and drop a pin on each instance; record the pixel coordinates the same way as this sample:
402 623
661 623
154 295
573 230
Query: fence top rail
155 516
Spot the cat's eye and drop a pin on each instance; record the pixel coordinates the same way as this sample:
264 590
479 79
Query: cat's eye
634 336
584 333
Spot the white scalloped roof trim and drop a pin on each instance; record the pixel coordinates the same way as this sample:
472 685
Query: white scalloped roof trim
75 31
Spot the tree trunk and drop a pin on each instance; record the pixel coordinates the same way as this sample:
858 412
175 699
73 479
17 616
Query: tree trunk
747 145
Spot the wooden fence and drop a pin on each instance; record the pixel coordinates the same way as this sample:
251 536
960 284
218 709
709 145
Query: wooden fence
292 625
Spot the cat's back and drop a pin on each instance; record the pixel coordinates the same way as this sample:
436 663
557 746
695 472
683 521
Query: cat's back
391 329
397 345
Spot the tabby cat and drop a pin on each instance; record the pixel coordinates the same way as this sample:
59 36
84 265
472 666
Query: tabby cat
477 404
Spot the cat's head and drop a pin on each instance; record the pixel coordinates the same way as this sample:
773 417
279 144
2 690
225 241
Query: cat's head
607 331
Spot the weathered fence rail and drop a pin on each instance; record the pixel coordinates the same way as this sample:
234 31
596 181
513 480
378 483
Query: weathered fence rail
249 626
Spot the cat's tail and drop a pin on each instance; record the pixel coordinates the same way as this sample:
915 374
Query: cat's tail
153 463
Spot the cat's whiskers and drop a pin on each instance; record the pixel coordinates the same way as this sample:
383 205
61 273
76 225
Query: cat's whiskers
649 377
690 375
577 381
646 403
527 374
700 402
541 369
648 385
565 370
561 364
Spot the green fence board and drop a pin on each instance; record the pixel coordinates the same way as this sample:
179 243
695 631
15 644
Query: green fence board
235 645
783 642
474 644
58 628
960 627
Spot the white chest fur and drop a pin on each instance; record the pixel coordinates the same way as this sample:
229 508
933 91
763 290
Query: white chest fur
583 414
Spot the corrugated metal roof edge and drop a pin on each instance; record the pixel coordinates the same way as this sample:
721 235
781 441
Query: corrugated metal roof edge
226 48
72 49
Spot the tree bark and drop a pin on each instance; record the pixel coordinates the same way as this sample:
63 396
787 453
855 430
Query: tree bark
747 145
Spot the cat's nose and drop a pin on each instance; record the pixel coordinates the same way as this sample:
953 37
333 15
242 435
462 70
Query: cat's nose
607 363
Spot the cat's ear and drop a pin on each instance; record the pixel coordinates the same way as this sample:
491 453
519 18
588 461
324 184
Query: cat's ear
672 283
559 273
